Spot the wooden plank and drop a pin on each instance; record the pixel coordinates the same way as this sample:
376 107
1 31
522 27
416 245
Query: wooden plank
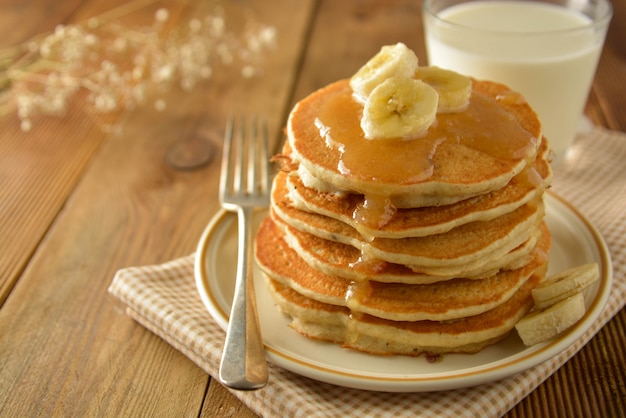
220 402
34 18
609 86
129 208
40 168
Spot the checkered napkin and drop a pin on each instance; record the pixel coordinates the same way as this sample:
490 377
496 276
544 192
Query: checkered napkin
164 299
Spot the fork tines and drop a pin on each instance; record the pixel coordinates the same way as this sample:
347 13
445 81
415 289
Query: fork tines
245 162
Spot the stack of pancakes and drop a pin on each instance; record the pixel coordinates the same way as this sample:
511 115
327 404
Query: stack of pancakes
407 247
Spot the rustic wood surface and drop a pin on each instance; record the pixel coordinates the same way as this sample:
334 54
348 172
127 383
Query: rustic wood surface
82 196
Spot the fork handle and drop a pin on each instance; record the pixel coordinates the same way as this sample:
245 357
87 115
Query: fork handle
243 364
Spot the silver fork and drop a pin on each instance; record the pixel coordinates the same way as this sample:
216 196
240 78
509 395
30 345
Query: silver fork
244 185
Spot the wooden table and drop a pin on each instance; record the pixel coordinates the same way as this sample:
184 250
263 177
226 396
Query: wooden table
84 195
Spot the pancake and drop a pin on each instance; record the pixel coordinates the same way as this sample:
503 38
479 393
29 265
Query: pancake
459 250
346 261
423 221
453 299
469 244
374 335
458 159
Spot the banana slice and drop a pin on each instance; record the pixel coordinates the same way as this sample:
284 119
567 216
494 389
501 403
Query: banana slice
565 284
454 89
391 61
542 325
399 108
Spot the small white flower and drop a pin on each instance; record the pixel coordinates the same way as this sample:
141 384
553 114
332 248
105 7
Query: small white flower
107 65
120 44
248 71
162 15
137 73
105 101
115 78
25 105
164 73
217 25
90 39
45 50
268 35
55 104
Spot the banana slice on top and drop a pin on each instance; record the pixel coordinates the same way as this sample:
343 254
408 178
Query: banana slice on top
454 89
391 61
399 108
565 284
543 324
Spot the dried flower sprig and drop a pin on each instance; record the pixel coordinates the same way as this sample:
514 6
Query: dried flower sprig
117 66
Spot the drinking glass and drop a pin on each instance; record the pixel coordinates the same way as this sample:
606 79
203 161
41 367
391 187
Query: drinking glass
547 50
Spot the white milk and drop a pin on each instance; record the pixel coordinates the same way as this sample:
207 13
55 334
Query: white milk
529 46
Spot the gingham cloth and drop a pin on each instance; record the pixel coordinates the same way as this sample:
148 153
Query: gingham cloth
164 299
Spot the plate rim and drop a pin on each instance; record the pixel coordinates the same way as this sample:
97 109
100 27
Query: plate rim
499 369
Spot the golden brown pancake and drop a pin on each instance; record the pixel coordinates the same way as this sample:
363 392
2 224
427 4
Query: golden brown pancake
346 261
452 299
384 337
459 250
429 220
457 159
467 244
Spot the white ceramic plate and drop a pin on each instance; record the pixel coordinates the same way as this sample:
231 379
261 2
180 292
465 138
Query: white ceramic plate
575 242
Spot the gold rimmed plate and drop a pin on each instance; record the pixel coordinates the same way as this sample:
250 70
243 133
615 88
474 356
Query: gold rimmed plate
575 241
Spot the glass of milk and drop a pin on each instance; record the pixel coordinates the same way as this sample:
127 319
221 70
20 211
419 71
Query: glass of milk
547 50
